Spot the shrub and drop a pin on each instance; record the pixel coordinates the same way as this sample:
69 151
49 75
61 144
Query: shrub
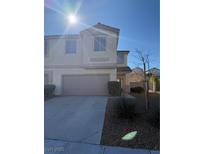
49 90
154 120
114 88
127 107
156 80
157 84
137 90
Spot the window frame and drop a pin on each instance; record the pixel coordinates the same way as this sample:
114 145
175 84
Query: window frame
120 58
100 47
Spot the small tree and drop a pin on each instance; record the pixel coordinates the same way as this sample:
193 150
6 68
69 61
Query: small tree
144 60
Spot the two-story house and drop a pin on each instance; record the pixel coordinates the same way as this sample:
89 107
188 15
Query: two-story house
83 64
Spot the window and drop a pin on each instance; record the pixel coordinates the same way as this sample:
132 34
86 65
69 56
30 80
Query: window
100 44
120 58
45 47
71 46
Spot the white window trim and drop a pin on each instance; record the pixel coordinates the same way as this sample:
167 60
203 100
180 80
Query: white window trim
102 36
121 62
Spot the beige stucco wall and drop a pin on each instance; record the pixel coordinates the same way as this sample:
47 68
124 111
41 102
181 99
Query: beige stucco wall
56 52
132 77
85 55
84 61
56 75
122 79
92 57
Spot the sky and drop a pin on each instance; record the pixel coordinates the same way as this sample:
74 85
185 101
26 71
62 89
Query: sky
138 21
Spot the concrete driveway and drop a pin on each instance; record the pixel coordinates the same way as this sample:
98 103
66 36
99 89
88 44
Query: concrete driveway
75 118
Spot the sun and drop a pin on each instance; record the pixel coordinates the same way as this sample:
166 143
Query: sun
72 19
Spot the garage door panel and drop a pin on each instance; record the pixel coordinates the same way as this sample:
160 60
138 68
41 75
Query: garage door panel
85 84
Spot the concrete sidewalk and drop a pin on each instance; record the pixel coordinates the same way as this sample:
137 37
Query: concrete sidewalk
64 147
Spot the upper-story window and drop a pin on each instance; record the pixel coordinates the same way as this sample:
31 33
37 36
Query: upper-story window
120 58
45 47
100 44
71 46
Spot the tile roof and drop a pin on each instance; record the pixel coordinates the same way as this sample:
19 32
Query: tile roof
123 69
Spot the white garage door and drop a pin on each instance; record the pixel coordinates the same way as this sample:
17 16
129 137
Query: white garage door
85 84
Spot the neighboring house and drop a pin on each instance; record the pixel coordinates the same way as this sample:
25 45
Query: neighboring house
83 64
154 83
135 78
155 72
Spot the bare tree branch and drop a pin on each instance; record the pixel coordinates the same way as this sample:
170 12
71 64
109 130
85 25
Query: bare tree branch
144 59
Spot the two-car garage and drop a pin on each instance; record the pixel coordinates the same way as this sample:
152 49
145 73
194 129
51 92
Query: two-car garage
92 84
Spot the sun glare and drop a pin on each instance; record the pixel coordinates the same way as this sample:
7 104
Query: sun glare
72 19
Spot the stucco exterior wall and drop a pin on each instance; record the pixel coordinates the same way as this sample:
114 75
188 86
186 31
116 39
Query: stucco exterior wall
91 57
56 75
85 61
57 52
122 79
134 78
85 55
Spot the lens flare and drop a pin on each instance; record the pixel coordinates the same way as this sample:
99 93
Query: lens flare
72 19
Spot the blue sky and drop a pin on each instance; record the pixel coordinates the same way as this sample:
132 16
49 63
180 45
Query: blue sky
138 21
